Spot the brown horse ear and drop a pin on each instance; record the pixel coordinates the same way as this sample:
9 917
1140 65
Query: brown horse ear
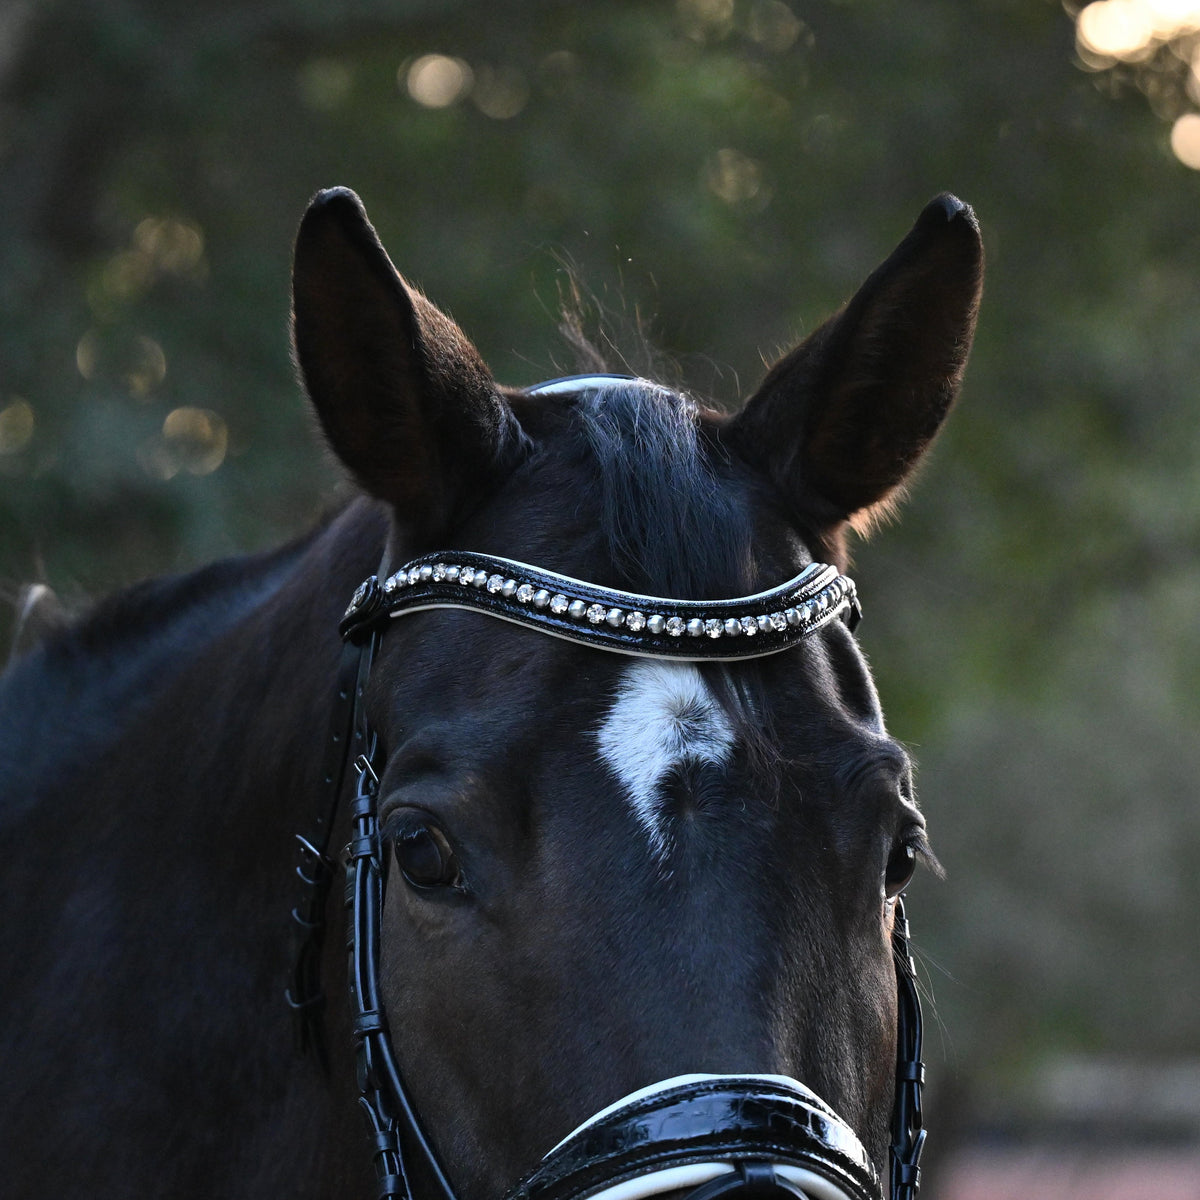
842 421
404 398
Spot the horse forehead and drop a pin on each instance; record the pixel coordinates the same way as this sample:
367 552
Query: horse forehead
662 716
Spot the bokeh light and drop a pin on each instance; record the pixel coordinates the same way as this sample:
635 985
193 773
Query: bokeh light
194 440
500 92
737 179
1117 29
1185 140
1157 44
16 426
706 20
135 361
437 80
774 26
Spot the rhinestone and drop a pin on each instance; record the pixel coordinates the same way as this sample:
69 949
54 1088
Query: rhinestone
466 576
360 594
391 584
595 613
614 617
480 580
635 621
452 574
695 627
414 574
524 593
509 589
577 610
558 604
764 624
656 623
793 616
732 627
425 574
713 628
749 626
778 622
495 583
676 626
541 598
439 571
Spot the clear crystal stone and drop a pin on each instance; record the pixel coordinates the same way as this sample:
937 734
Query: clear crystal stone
713 628
778 622
439 571
596 613
635 621
466 576
495 583
414 574
749 626
559 604
676 626
525 593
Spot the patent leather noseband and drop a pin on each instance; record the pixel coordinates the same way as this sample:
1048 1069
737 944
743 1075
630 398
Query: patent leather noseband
763 1137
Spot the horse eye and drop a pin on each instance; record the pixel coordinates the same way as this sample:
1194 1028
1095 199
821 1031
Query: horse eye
424 855
901 864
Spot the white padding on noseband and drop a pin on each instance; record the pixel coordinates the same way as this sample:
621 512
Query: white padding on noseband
658 1182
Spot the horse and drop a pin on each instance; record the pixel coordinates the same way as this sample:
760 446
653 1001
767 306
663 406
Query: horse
625 835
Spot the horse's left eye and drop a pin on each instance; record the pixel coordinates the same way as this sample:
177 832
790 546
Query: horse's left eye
901 864
424 855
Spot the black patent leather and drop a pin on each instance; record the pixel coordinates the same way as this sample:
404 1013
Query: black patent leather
719 1120
816 596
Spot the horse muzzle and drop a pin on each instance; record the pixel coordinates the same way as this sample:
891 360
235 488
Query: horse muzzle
748 1137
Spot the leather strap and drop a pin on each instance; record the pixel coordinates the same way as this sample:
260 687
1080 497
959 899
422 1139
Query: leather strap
607 618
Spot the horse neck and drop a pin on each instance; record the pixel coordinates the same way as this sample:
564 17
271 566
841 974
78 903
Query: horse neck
187 724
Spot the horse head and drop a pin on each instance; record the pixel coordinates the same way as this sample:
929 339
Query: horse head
636 878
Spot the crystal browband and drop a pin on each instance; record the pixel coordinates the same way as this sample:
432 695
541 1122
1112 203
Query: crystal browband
608 619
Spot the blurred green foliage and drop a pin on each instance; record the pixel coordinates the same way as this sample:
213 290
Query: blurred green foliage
722 174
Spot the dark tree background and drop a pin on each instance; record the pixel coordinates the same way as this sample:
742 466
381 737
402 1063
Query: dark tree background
719 174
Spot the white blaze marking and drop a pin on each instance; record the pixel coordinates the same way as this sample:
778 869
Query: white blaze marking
664 715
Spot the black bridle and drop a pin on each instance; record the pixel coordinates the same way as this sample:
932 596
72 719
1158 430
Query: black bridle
723 1130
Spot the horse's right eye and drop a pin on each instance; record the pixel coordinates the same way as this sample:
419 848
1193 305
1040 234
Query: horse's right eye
424 854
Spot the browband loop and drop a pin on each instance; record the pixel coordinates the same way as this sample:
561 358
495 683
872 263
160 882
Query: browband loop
607 618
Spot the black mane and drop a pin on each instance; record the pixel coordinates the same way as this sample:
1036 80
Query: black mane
93 677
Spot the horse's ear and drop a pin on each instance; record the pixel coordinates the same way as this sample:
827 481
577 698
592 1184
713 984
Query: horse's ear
404 398
842 421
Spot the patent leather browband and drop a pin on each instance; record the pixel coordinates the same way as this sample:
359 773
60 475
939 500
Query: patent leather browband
605 618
